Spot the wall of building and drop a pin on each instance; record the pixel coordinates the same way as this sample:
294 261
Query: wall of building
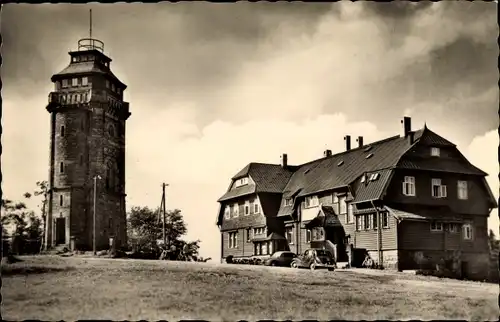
477 202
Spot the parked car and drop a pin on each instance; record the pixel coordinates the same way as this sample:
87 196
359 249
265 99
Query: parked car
281 258
315 258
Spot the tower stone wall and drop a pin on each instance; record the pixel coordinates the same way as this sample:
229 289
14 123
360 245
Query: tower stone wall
88 118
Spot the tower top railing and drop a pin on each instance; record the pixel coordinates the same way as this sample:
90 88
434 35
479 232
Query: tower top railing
90 44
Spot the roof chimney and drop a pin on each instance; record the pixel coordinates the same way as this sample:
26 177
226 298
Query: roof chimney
360 141
327 153
406 125
347 139
284 160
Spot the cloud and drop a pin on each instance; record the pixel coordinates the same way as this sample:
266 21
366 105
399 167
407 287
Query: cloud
483 153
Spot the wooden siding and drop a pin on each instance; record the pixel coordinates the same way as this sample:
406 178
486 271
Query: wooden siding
415 235
368 238
239 250
476 204
243 221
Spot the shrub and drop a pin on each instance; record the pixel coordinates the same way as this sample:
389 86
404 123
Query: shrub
229 259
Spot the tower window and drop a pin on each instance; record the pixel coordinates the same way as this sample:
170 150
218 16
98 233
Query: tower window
64 83
61 200
85 81
81 159
74 82
62 130
61 167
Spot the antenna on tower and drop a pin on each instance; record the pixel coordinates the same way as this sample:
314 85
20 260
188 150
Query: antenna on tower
90 23
90 43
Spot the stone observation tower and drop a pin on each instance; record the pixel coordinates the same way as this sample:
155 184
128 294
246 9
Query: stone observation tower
87 148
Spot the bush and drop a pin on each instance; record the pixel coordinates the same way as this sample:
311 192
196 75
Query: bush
229 259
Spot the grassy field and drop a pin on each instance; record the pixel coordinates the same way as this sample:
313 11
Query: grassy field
55 288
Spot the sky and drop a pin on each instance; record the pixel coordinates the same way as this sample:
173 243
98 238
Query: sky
213 87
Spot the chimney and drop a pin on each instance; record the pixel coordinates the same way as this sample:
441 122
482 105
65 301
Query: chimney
347 139
327 153
360 141
406 126
284 160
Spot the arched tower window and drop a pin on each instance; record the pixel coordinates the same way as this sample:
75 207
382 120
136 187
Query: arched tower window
111 131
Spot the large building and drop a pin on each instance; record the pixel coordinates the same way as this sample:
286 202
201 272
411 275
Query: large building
401 198
87 146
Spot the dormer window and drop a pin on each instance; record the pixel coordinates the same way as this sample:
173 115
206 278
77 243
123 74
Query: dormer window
374 176
312 201
288 202
435 152
242 182
363 178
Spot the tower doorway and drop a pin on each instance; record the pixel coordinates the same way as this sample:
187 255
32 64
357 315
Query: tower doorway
60 231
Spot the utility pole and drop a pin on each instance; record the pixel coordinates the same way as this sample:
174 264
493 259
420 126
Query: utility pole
164 201
95 198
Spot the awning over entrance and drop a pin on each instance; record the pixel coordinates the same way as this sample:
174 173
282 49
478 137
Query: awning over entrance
326 218
424 215
271 236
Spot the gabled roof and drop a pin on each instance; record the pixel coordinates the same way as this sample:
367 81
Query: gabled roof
270 178
431 138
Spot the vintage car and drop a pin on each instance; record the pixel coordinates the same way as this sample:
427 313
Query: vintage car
281 258
315 258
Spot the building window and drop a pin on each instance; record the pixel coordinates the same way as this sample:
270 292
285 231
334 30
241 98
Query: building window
438 190
312 201
233 240
62 130
249 237
119 90
236 210
288 202
342 205
374 176
81 159
436 226
367 222
110 223
227 213
409 186
289 235
256 208
61 200
78 98
385 220
462 190
65 83
360 222
375 221
85 81
259 231
61 167
74 82
453 228
242 182
467 231
113 87
435 152
107 83
308 235
349 218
